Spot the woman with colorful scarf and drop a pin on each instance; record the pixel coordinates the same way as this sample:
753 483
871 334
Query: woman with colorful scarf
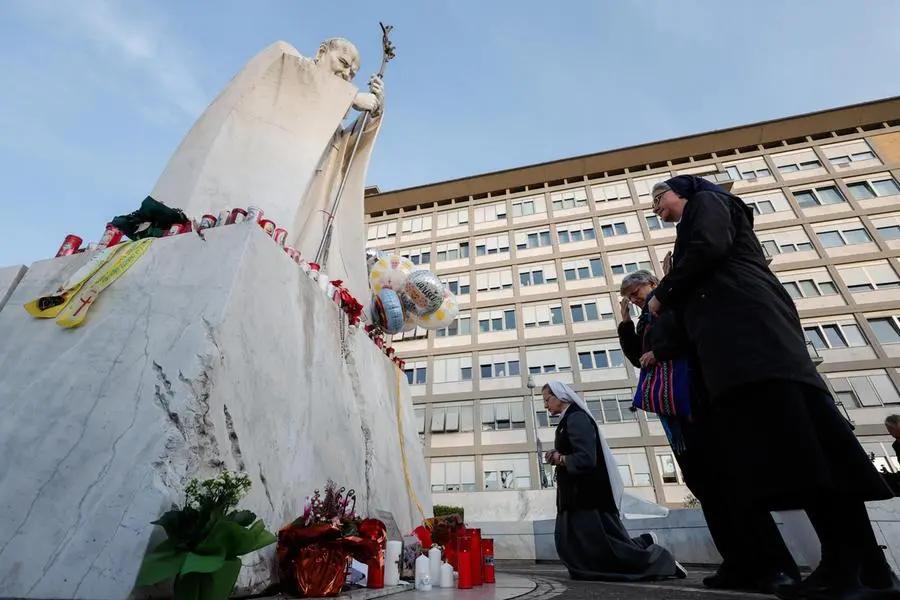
754 555
591 540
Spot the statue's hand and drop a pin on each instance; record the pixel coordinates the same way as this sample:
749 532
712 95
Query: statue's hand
376 87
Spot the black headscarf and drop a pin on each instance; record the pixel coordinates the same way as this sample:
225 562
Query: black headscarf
687 186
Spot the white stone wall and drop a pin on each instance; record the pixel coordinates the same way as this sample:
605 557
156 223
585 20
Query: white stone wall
204 354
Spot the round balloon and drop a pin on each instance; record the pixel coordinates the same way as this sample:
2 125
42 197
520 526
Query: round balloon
372 256
390 272
409 325
442 317
425 291
389 311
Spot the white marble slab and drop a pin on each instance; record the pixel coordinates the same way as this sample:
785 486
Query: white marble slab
203 354
9 279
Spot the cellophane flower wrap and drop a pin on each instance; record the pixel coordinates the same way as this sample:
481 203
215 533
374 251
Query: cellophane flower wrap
314 551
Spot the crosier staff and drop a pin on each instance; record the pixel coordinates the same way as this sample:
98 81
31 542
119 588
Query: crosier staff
387 55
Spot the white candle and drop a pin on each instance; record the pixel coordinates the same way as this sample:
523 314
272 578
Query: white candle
423 573
434 560
392 563
446 576
323 281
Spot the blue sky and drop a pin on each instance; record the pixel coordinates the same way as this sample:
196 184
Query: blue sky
95 95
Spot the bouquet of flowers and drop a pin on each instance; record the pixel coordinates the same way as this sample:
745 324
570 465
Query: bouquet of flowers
205 539
314 550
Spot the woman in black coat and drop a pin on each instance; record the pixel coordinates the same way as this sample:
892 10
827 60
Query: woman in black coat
754 555
787 445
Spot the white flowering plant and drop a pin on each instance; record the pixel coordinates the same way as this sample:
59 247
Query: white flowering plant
205 539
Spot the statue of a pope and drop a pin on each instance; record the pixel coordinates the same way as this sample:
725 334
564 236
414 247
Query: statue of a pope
274 138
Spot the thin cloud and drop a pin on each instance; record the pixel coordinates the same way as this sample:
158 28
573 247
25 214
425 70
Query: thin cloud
138 42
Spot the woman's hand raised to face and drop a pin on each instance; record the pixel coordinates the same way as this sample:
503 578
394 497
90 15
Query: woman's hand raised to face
625 307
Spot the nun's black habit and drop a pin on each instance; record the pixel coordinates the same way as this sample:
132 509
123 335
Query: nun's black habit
591 540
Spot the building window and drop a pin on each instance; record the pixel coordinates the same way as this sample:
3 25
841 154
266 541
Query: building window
748 170
537 274
502 415
785 242
382 231
491 213
492 366
547 360
575 232
419 413
667 467
496 320
630 267
821 196
452 418
453 474
417 333
490 246
584 268
568 199
416 373
887 329
459 284
634 467
589 310
827 336
609 230
863 389
874 188
507 472
796 163
611 192
872 276
452 251
452 218
609 358
462 325
654 223
418 256
611 406
452 369
542 315
809 288
834 238
533 239
843 155
413 225
491 281
525 207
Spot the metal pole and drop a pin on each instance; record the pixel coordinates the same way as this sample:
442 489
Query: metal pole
539 447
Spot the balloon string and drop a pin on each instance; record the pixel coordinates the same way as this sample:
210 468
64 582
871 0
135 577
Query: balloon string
409 487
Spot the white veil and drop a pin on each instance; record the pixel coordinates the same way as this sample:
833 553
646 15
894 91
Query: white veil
637 507
567 394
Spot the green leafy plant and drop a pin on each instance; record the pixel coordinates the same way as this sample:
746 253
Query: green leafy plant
441 510
205 539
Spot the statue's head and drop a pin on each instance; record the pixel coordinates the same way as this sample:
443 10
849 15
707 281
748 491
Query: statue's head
340 57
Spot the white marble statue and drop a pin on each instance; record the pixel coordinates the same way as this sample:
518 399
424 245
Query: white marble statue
274 138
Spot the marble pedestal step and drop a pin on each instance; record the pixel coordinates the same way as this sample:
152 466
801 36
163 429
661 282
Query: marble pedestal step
506 587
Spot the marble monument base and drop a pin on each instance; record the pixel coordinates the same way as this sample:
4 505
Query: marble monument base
205 354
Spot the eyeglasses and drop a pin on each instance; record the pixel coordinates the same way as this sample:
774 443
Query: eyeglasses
657 198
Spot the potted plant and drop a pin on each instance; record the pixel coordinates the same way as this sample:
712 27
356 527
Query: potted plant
205 540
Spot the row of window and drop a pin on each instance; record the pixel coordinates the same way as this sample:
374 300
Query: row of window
879 185
831 234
